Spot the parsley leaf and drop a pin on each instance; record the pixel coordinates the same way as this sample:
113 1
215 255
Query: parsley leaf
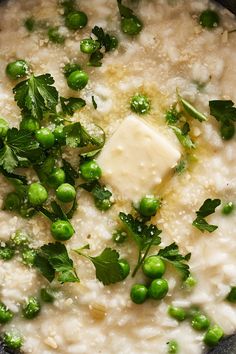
104 39
145 236
8 159
223 110
124 11
183 136
71 105
94 103
100 193
36 95
206 209
71 173
96 59
171 255
108 269
52 260
78 136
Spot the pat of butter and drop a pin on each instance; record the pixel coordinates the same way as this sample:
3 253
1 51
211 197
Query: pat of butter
135 159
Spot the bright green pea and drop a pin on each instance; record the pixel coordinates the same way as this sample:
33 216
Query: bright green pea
138 293
209 19
56 178
6 253
29 124
153 267
177 313
77 80
4 126
66 193
89 46
125 267
28 256
37 194
158 289
12 340
31 308
5 314
200 322
213 336
231 297
90 171
119 236
149 205
103 204
17 69
190 282
19 239
140 104
228 208
59 134
45 137
76 20
62 230
131 26
173 347
55 36
46 295
227 130
70 68
12 202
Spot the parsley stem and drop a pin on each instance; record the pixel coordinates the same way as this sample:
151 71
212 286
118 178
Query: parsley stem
141 260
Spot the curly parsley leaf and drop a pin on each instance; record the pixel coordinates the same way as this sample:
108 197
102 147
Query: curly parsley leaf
108 269
171 255
183 136
71 105
145 236
223 110
205 210
192 111
36 95
78 136
53 260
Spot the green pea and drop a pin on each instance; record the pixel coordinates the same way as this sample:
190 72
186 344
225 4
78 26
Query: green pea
12 202
62 230
149 205
173 347
131 26
66 193
153 267
140 104
125 267
190 282
103 204
56 178
59 134
28 256
89 46
158 289
45 137
7 253
227 130
228 208
29 124
177 313
77 80
213 336
4 126
119 236
5 314
55 36
31 308
70 68
90 171
209 19
138 293
200 322
19 239
76 20
12 340
37 194
17 69
46 295
231 297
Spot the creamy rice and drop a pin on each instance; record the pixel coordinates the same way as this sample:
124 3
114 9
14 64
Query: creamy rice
172 51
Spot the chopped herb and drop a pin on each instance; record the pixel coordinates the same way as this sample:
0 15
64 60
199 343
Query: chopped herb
78 136
94 103
171 255
6 252
100 194
172 116
119 236
145 236
53 260
206 209
30 24
225 113
105 40
192 111
130 23
71 105
183 136
96 59
71 173
181 167
36 95
231 297
108 269
55 36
